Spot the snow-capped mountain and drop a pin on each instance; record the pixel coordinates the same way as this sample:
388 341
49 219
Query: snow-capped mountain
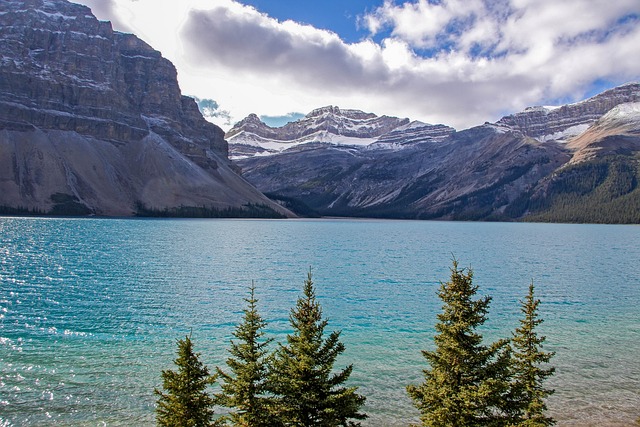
328 125
577 162
340 127
615 132
567 121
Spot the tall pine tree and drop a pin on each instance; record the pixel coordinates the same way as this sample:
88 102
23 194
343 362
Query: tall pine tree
466 380
186 402
308 393
244 390
528 366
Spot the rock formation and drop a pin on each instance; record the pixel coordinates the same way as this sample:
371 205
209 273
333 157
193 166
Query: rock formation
95 118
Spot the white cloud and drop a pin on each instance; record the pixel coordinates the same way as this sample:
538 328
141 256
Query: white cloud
422 23
459 62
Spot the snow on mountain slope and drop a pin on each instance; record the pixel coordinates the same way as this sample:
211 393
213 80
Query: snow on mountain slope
568 121
329 125
616 131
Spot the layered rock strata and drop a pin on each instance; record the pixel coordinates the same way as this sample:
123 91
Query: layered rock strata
98 116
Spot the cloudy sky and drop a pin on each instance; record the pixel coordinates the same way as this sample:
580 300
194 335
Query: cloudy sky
458 62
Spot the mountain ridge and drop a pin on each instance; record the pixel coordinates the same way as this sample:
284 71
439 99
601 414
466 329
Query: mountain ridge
545 123
495 171
328 124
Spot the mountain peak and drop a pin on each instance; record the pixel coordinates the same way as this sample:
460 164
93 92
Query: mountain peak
335 111
329 109
253 118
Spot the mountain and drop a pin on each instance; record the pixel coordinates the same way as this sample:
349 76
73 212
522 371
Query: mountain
540 164
600 182
562 123
92 121
327 125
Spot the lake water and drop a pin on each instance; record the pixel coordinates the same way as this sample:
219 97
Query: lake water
90 309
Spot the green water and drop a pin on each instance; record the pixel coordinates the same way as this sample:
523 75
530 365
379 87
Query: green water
91 308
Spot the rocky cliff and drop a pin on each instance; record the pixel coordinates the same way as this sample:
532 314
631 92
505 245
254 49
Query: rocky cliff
95 118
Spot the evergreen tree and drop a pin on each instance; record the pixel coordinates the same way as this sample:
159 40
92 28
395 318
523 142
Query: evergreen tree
528 358
245 389
186 403
308 393
466 382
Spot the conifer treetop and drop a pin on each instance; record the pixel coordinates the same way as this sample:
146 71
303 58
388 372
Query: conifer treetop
530 367
186 402
308 392
244 389
465 379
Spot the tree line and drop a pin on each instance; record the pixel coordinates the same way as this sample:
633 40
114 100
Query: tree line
467 383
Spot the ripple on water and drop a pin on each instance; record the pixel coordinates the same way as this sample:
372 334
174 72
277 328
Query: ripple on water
91 309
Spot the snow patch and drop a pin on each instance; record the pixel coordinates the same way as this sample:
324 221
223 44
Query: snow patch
564 135
137 56
626 110
412 125
498 128
55 15
272 146
627 114
154 121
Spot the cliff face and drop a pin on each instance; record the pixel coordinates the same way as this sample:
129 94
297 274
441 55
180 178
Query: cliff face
97 116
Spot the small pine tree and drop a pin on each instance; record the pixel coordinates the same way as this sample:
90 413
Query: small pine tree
466 380
186 403
308 393
245 390
529 375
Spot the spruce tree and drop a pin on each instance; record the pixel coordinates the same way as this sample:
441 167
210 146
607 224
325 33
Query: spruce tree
528 362
466 380
186 402
244 390
308 393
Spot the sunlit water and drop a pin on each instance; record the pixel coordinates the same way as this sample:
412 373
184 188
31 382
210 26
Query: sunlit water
90 309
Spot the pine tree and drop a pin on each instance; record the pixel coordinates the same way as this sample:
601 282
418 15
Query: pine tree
186 403
308 393
528 358
245 389
466 380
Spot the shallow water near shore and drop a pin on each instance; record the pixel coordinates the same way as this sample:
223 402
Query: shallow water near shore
90 309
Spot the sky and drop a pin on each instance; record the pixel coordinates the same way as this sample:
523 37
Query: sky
456 62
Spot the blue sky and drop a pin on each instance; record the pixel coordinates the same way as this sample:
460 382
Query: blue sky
340 17
457 62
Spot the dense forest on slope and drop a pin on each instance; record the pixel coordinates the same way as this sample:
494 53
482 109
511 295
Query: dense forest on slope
603 190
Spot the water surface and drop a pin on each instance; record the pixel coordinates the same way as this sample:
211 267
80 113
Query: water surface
91 308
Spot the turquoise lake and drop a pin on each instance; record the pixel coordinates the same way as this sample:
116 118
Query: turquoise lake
90 309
